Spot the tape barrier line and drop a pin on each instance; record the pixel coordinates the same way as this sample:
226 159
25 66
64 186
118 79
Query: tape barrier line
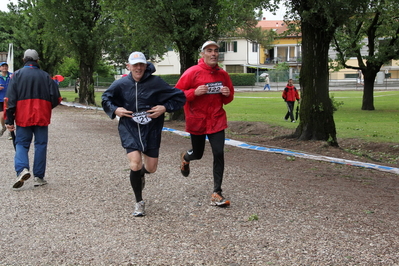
244 145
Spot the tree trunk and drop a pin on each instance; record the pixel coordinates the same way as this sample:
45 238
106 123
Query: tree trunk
86 92
316 110
368 90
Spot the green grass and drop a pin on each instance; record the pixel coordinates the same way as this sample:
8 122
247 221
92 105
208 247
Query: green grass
380 125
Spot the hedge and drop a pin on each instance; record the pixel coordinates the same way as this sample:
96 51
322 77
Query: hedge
238 79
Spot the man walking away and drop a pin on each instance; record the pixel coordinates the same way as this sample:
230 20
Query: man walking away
32 95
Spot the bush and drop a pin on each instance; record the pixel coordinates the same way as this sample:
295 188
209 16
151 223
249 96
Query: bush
243 79
170 79
238 79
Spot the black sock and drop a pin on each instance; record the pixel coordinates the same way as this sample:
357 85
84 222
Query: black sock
135 181
186 156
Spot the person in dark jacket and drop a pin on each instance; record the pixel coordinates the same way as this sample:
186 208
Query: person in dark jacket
207 88
290 95
31 96
141 100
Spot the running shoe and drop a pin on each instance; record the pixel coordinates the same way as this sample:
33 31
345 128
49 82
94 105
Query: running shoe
184 166
22 177
39 182
139 209
218 200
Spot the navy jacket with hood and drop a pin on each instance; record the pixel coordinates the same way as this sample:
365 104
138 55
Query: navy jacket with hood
141 96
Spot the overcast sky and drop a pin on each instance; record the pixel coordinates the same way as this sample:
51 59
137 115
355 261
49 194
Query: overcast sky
269 16
3 4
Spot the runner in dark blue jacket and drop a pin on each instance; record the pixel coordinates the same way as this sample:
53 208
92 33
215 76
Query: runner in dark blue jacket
141 100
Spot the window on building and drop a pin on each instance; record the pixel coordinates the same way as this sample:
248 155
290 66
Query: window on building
254 47
231 46
351 76
228 47
235 69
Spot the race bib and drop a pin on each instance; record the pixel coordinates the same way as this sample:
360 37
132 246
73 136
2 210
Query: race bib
141 118
214 87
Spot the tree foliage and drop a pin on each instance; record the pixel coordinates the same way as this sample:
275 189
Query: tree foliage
183 25
376 25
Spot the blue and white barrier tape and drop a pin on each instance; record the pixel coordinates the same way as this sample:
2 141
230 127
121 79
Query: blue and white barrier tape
244 145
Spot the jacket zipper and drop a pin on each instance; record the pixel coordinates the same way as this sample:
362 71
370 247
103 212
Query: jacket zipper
137 109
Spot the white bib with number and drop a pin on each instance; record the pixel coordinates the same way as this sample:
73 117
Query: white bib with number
141 118
214 87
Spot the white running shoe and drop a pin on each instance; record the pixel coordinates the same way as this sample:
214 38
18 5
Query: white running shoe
139 209
22 177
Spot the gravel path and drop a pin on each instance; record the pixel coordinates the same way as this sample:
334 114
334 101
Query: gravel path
308 212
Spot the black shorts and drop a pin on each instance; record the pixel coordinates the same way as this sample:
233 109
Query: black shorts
154 153
1 106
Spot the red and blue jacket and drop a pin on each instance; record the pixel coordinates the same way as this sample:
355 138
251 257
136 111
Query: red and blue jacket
32 95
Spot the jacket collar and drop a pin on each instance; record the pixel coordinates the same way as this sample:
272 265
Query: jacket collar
202 64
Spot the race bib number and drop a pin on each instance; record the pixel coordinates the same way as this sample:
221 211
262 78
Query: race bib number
141 118
214 87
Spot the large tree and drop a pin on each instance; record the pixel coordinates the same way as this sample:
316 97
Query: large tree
80 26
375 25
318 21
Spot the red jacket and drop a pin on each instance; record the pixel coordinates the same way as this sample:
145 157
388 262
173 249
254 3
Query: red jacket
290 94
205 113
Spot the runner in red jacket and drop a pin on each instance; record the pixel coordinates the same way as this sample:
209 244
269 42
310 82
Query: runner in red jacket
207 88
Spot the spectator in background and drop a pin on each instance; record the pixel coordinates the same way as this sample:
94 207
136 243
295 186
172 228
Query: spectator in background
32 95
4 80
267 82
290 94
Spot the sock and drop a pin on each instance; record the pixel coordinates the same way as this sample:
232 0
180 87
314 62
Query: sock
186 156
135 181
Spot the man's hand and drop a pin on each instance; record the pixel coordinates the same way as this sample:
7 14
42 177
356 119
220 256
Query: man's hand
120 111
225 91
10 128
201 90
156 111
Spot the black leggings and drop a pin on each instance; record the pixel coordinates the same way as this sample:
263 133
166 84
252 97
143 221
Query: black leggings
290 112
217 144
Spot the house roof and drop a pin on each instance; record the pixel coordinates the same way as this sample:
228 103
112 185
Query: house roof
278 25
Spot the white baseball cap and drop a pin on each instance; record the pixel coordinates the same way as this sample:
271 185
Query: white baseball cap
137 57
206 44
